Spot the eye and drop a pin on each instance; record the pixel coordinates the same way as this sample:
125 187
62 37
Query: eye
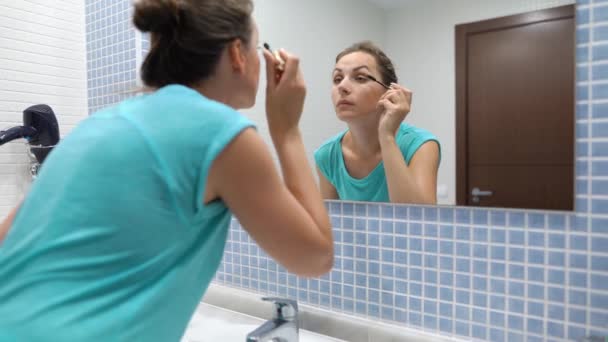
337 79
362 78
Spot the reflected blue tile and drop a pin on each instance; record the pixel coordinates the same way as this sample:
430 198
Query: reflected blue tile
599 244
415 289
536 256
536 220
497 335
577 316
373 210
361 209
582 35
556 312
430 246
556 277
599 263
536 309
400 228
480 251
445 309
415 319
400 243
462 328
599 300
480 300
401 212
463 297
446 263
499 236
578 261
599 319
599 282
348 223
416 274
536 239
430 307
463 249
446 294
446 279
515 322
445 325
498 218
446 247
535 326
498 253
557 241
516 237
400 287
430 276
575 333
517 219
497 269
578 279
516 289
555 329
463 281
400 258
480 217
415 214
578 242
536 274
577 297
415 259
446 232
373 310
480 234
430 214
463 265
446 215
516 272
415 229
557 259
372 240
462 312
415 304
463 216
497 303
479 332
463 233
387 211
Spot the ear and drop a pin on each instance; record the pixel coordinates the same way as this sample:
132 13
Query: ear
237 56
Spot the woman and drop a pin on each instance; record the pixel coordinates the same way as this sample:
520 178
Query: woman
379 158
125 226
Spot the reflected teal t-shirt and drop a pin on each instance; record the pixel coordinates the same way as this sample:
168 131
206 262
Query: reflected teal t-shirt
373 187
113 242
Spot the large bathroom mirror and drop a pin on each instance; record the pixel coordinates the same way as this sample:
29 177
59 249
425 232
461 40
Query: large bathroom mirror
493 80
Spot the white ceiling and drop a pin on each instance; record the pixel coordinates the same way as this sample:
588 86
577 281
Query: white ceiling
390 4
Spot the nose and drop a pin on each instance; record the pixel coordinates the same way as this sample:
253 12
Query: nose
344 87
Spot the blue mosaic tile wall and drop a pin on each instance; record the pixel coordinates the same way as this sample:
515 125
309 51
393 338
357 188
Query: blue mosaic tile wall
478 274
111 52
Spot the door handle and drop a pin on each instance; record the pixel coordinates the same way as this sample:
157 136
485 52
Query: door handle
481 193
477 193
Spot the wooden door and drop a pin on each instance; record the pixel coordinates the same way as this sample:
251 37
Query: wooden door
515 110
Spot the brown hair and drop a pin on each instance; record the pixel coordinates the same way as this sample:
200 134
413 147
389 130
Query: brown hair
189 36
385 66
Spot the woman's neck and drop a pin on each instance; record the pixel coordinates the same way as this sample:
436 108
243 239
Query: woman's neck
363 140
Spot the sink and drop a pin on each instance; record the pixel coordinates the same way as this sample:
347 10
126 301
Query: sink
212 324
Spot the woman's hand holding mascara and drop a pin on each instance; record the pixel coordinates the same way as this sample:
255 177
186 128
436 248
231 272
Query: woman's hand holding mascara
285 94
394 106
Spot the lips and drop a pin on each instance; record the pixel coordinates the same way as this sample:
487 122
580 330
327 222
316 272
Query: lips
344 103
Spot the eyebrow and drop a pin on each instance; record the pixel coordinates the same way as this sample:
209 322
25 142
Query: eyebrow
355 69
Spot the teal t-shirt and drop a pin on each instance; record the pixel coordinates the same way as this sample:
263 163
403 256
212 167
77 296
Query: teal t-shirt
373 187
113 242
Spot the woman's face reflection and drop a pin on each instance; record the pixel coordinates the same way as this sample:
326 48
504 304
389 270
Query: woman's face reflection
354 95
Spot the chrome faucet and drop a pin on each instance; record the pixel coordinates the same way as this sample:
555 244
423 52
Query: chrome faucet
283 327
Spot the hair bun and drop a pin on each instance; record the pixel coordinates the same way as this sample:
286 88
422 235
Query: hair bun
156 16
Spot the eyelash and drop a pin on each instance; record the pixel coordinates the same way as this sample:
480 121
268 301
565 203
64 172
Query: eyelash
360 78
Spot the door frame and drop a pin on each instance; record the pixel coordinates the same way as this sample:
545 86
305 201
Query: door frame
462 32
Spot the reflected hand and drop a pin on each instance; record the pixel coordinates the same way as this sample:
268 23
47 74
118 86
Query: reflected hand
394 105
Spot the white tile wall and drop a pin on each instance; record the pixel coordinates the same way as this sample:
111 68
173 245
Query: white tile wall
42 60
